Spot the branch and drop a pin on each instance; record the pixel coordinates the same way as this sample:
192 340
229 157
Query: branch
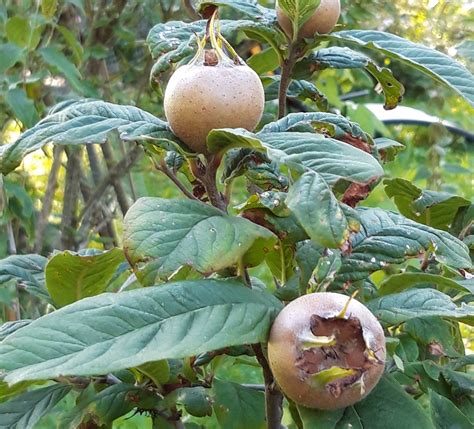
119 169
161 166
71 196
48 198
285 78
116 183
190 10
273 397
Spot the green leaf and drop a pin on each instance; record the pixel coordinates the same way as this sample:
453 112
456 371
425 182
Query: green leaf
114 401
437 209
387 238
344 58
400 282
222 140
398 308
23 108
110 332
388 406
238 407
255 166
343 128
300 89
196 401
76 48
303 151
433 331
158 371
439 66
446 415
48 8
84 122
160 236
8 328
388 148
349 420
318 211
460 382
298 11
71 276
18 31
265 61
10 55
321 419
25 410
27 270
60 62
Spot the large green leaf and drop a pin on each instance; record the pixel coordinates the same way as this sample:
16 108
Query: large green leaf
437 209
321 419
389 238
400 282
238 407
344 58
446 415
24 411
318 211
165 235
439 66
71 276
342 127
27 270
84 122
109 332
388 406
398 308
304 151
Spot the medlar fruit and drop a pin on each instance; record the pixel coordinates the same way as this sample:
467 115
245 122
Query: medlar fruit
322 21
326 351
213 91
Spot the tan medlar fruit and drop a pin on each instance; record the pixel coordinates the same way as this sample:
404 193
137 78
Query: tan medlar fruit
322 21
213 91
326 351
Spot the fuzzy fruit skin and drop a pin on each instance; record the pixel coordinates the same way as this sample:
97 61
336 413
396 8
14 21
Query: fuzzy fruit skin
292 321
322 21
201 98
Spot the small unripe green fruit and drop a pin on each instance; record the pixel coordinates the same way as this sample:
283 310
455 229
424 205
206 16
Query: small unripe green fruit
322 21
326 352
200 98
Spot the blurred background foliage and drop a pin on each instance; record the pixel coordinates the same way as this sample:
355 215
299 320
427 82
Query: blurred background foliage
53 51
70 198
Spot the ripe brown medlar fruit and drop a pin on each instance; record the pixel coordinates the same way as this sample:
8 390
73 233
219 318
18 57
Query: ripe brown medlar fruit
213 91
322 21
326 351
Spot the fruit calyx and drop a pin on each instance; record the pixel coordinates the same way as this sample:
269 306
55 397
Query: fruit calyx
221 52
334 354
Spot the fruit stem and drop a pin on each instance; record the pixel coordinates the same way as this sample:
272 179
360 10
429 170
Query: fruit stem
273 397
209 182
285 78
